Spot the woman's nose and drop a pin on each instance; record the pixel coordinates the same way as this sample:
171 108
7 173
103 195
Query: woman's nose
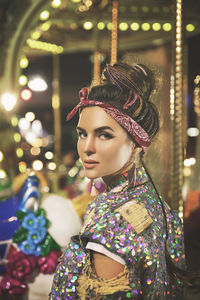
90 146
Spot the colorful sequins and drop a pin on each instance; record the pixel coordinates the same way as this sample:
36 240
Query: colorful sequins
144 253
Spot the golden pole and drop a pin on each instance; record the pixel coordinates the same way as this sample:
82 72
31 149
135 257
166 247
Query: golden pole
56 109
178 144
113 56
97 59
97 65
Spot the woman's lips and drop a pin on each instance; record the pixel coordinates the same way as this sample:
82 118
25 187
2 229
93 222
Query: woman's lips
90 164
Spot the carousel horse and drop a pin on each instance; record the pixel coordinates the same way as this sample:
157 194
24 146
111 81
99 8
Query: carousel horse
63 222
24 199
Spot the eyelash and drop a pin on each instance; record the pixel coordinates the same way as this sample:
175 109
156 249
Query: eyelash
105 135
81 133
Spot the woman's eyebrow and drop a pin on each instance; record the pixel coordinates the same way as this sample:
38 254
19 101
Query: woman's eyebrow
79 128
97 129
103 128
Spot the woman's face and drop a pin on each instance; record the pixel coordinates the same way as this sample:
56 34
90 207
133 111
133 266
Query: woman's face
103 145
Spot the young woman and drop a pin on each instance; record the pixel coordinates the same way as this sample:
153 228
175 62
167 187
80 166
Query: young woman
130 246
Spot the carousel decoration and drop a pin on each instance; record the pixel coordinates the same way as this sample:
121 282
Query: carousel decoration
113 57
177 112
26 245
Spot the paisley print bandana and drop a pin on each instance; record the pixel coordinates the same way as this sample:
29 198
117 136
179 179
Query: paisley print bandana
138 134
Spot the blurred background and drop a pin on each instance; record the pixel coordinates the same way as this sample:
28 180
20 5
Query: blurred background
50 49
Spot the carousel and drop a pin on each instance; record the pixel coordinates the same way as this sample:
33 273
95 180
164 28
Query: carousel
69 42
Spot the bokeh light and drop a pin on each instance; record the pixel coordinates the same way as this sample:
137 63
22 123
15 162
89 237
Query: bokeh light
37 84
1 156
190 27
134 26
8 101
14 121
22 166
88 25
23 62
35 151
49 155
51 166
167 27
101 25
26 94
23 80
24 124
17 137
145 26
192 131
44 15
19 152
30 116
56 3
37 165
156 26
123 26
3 174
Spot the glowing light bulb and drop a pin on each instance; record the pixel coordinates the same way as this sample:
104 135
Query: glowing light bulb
8 100
44 15
30 116
101 25
37 165
23 62
134 26
123 26
190 27
23 80
145 26
88 25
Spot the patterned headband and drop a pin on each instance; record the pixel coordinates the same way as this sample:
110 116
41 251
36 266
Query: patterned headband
138 134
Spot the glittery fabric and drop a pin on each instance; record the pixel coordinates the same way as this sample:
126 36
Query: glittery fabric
144 253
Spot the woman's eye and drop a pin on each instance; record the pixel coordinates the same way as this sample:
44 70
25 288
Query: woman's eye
81 134
105 135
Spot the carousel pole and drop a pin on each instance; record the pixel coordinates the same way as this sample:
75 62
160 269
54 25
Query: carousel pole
113 56
97 59
177 119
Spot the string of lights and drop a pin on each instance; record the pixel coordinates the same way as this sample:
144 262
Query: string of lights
177 116
113 56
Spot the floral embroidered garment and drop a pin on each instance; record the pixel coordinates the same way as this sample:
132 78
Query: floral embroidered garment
133 223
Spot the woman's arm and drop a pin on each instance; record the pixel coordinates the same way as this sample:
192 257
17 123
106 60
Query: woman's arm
106 267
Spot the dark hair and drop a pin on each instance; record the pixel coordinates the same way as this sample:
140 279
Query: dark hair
140 81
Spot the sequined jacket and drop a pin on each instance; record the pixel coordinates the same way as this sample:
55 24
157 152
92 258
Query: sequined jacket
133 224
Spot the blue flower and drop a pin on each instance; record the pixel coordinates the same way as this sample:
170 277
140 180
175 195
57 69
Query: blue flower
30 221
36 236
27 248
38 250
41 221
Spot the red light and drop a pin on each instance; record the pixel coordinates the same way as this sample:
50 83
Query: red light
26 94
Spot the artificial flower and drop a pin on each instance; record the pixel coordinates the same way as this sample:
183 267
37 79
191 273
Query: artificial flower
47 264
41 221
36 236
12 287
30 221
38 250
27 247
20 266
